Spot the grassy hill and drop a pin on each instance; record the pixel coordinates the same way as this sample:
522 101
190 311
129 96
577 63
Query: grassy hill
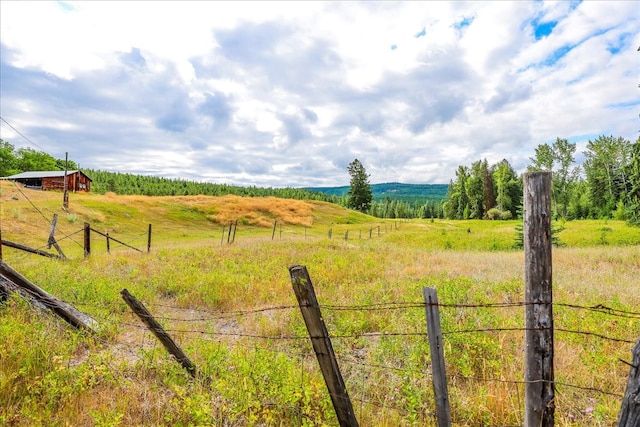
232 309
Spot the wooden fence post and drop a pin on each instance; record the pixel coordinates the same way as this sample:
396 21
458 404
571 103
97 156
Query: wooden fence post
330 232
87 239
346 235
630 411
52 239
273 233
235 228
149 239
319 335
0 244
224 227
539 389
108 243
141 311
434 332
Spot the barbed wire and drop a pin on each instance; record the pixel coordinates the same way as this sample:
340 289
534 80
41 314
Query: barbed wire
134 351
32 204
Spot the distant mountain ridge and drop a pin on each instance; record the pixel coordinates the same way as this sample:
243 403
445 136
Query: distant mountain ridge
393 191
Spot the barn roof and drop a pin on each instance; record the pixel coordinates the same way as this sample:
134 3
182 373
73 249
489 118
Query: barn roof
44 174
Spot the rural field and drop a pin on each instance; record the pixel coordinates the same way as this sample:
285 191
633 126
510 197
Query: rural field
227 300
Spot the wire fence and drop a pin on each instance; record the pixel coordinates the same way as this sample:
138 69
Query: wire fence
195 325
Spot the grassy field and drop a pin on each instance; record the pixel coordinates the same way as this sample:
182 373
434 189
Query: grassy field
232 309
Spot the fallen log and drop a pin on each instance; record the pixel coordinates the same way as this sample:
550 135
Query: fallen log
60 308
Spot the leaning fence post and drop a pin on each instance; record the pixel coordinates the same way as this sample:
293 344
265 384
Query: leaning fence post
273 233
87 239
319 335
141 311
630 411
108 243
149 239
539 389
434 333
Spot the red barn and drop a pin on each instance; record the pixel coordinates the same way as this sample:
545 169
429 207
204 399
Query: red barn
53 180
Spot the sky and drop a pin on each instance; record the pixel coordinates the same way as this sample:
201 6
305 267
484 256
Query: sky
287 94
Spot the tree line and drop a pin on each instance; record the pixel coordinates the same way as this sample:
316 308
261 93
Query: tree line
606 185
14 161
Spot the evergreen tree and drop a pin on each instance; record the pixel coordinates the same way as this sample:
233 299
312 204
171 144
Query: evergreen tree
475 191
360 195
509 189
488 193
633 196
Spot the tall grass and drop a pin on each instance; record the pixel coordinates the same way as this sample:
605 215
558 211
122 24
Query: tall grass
232 309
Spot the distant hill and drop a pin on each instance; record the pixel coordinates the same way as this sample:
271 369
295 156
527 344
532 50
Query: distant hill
394 191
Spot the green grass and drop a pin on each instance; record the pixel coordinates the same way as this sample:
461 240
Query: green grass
232 309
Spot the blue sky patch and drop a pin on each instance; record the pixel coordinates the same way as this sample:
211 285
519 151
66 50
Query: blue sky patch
541 30
465 22
422 33
557 55
394 46
622 41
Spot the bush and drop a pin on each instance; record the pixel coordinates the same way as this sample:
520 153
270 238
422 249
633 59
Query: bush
495 213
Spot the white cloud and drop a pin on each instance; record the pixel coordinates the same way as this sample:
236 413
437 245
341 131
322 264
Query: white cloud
288 93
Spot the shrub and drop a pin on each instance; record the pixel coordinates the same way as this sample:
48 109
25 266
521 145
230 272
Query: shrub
495 213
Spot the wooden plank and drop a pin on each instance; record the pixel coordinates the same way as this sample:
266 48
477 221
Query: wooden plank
539 390
141 311
436 349
62 309
321 342
630 411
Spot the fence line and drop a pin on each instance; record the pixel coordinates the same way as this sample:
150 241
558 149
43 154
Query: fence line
348 358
